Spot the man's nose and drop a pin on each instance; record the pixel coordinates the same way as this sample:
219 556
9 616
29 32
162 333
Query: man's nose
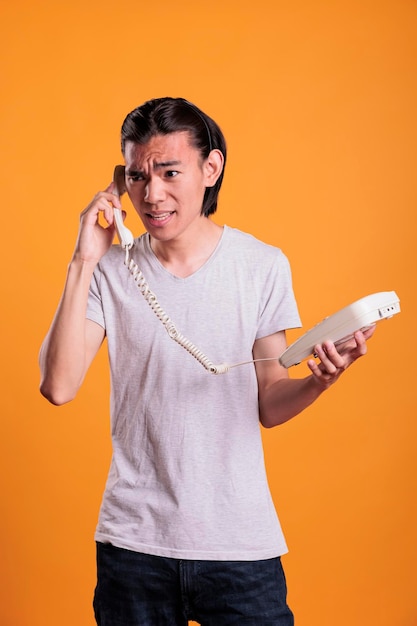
154 192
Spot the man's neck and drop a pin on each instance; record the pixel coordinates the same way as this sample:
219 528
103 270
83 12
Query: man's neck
185 255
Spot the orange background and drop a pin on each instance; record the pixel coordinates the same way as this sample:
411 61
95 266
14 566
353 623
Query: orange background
318 103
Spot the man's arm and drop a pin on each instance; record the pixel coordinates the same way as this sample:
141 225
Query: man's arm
73 341
281 398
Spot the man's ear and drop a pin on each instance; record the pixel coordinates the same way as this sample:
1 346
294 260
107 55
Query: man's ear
213 167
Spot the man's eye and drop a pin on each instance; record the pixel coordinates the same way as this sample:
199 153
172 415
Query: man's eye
171 173
134 178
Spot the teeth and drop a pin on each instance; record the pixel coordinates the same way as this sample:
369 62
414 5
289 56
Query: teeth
160 217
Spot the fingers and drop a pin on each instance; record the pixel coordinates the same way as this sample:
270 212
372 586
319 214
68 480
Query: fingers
361 338
334 361
93 239
329 357
369 331
330 366
103 202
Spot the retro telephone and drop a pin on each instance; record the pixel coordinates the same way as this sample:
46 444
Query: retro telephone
341 326
338 327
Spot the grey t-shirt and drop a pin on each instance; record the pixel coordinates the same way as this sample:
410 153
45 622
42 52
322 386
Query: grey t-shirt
187 477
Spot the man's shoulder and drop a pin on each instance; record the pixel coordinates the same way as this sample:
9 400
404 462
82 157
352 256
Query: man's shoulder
249 244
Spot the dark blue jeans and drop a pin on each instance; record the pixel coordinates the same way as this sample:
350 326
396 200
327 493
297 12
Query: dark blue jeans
135 589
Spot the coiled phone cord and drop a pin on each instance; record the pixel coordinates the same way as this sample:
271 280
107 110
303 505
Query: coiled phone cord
169 325
166 321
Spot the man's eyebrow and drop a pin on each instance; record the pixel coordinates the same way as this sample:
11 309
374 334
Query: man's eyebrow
166 164
158 165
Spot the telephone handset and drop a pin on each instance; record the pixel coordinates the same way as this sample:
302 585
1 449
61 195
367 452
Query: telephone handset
125 236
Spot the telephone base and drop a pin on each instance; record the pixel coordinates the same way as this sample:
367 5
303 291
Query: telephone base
341 326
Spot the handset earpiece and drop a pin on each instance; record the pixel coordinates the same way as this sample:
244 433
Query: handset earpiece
125 236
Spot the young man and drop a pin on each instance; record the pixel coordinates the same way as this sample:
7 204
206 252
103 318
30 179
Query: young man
187 527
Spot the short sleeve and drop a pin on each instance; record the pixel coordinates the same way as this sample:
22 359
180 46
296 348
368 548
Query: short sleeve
279 307
94 303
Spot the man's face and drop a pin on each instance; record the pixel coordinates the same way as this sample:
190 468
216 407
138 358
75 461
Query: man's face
166 180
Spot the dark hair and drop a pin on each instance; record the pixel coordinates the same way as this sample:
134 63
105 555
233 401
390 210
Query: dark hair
162 116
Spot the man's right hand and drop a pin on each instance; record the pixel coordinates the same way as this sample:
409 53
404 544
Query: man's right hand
93 239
